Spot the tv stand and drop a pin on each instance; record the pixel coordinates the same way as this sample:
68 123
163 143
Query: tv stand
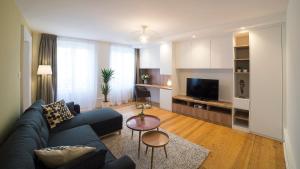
213 111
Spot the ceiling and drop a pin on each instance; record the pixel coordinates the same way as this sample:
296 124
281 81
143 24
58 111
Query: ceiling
116 20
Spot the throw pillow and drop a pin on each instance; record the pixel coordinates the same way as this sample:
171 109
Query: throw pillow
56 113
93 160
70 106
54 157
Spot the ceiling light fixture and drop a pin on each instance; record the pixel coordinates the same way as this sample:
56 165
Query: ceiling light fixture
242 28
144 37
194 36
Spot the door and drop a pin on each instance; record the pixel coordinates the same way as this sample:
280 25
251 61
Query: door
166 59
165 99
200 54
221 52
26 69
149 58
183 54
266 82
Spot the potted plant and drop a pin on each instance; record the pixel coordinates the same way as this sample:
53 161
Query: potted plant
145 77
107 75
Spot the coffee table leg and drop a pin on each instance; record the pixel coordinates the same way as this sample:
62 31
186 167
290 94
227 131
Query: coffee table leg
131 134
139 144
166 151
152 157
157 129
146 150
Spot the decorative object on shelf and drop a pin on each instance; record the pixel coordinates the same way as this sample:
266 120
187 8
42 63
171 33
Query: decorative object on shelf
145 77
245 70
169 83
107 75
242 86
239 70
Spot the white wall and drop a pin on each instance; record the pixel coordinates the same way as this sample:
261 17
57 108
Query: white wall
292 134
224 76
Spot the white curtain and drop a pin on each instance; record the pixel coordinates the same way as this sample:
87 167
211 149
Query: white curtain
76 72
122 61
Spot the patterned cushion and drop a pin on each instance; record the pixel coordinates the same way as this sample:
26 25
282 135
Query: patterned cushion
56 113
54 157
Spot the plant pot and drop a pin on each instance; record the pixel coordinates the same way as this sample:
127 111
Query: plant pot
145 81
106 104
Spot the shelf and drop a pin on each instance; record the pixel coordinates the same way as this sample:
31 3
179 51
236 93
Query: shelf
242 73
241 117
221 104
241 127
242 46
244 59
242 97
155 86
241 123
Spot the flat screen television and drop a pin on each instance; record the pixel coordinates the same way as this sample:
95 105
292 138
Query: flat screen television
205 89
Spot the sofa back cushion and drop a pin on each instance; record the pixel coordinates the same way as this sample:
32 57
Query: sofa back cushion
34 118
17 152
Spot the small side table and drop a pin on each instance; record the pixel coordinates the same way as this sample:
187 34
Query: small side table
141 124
155 139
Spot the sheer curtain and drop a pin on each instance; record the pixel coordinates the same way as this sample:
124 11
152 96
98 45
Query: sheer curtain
122 61
76 72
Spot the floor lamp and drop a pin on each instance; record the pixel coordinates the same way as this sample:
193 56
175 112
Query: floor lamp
46 90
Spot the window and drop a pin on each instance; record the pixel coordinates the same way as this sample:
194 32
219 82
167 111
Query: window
122 61
76 72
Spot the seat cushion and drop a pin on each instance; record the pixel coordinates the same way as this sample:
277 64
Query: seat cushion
103 121
82 135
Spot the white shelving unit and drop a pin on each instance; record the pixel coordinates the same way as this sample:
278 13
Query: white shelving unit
241 101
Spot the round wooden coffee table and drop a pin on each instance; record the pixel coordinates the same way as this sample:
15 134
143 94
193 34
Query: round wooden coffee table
155 139
142 123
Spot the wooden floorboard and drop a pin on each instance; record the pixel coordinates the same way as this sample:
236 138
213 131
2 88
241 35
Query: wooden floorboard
229 148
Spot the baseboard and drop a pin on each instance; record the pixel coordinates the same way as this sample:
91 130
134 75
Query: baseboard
289 160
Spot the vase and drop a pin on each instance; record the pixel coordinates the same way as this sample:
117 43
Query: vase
145 81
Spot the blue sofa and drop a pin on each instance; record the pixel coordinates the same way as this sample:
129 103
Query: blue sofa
32 132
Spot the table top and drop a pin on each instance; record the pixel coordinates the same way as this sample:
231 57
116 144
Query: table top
155 138
143 123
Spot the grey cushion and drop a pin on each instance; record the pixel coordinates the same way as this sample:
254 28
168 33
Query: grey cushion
81 135
72 137
103 121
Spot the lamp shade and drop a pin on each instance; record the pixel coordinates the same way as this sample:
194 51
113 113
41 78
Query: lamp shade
44 70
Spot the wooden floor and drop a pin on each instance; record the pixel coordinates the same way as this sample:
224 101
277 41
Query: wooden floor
230 149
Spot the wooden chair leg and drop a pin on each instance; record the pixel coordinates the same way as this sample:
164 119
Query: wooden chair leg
165 151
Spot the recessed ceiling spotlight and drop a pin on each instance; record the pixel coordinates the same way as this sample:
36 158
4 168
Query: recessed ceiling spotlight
194 36
242 28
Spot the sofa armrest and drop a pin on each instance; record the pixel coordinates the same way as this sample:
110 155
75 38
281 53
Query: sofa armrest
77 108
124 162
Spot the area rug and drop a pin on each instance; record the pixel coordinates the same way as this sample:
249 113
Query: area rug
182 154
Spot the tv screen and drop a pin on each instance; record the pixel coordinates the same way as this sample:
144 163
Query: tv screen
205 89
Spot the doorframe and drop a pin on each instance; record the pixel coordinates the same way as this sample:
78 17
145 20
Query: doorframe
26 68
